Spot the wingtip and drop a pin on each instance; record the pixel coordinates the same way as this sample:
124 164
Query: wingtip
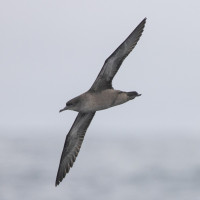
144 21
57 183
59 180
141 25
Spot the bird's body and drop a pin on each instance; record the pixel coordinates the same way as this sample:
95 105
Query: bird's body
99 97
95 101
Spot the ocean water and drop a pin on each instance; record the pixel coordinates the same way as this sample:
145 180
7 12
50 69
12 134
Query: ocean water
146 167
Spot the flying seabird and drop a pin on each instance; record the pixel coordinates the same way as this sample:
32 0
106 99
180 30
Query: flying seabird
100 96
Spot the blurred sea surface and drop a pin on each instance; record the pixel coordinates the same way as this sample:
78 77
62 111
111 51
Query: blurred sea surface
113 167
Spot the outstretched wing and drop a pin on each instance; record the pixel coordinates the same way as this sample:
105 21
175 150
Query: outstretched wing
114 61
73 143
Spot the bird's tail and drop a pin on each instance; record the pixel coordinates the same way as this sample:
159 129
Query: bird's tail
132 95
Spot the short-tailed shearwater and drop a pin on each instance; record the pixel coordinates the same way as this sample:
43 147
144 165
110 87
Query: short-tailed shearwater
100 96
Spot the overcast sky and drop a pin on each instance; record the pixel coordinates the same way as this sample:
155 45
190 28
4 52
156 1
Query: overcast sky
52 51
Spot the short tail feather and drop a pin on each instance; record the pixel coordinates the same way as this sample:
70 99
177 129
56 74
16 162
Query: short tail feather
132 95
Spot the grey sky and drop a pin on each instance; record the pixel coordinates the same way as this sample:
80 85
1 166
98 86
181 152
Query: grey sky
51 51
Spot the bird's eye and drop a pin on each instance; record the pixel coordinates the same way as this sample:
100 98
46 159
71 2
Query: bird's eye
68 104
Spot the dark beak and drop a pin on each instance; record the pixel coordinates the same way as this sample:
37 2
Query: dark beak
65 108
139 95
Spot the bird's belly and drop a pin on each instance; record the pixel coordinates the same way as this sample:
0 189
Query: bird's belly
103 100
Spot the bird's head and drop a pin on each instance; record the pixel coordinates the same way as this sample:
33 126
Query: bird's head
71 105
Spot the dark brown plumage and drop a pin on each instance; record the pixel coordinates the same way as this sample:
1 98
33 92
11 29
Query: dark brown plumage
100 96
